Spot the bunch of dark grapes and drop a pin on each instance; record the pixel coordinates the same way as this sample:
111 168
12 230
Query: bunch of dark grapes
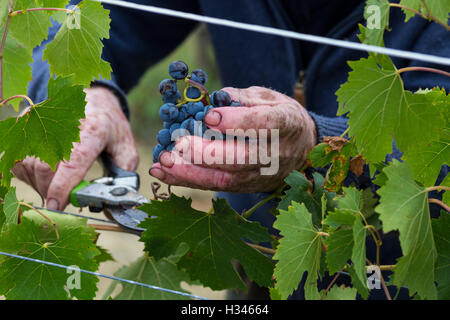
184 111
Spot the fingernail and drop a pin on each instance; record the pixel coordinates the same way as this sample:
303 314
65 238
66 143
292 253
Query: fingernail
52 204
157 173
166 159
213 118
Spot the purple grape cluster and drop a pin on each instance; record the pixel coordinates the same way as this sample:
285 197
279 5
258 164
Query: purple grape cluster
185 111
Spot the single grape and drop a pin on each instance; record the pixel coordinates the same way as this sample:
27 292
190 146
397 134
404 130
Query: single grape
220 98
173 113
164 137
156 151
166 124
182 114
193 107
168 87
174 127
178 70
199 76
164 111
200 116
207 108
193 93
171 98
189 125
170 146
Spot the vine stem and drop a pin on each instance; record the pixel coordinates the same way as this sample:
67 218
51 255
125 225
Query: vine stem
17 97
426 69
437 188
429 16
439 202
108 228
42 215
262 249
2 47
276 194
14 13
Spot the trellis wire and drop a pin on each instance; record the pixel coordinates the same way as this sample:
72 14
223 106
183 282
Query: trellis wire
103 275
283 33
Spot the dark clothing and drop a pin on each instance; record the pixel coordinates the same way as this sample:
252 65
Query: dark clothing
139 40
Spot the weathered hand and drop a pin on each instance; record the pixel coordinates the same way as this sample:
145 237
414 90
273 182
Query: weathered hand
230 166
104 128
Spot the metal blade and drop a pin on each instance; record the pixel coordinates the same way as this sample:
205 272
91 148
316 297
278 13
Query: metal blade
128 218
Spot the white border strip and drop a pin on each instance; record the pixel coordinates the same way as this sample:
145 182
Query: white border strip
283 33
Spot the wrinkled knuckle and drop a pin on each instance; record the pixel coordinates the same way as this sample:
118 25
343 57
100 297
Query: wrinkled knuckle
42 168
222 180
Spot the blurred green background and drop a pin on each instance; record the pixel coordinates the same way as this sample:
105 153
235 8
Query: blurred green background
145 99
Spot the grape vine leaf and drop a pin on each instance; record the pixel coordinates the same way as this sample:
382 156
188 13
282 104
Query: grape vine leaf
10 208
30 28
340 293
359 285
442 268
426 161
47 130
28 280
446 195
162 273
439 9
301 192
77 49
4 9
404 207
214 239
16 70
339 249
376 14
359 250
379 109
3 192
299 251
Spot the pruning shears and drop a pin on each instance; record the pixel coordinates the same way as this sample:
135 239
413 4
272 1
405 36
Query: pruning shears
116 194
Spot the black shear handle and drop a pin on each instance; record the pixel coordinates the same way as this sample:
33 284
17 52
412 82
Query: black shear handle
111 169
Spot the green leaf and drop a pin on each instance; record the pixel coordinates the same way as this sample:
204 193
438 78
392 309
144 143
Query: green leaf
30 28
301 192
214 240
299 251
46 130
340 293
426 161
29 280
340 217
77 50
404 207
376 14
359 250
359 284
339 249
441 227
162 273
16 70
10 208
446 196
439 9
4 8
379 109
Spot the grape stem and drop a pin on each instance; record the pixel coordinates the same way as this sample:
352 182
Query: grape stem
427 16
2 47
447 74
